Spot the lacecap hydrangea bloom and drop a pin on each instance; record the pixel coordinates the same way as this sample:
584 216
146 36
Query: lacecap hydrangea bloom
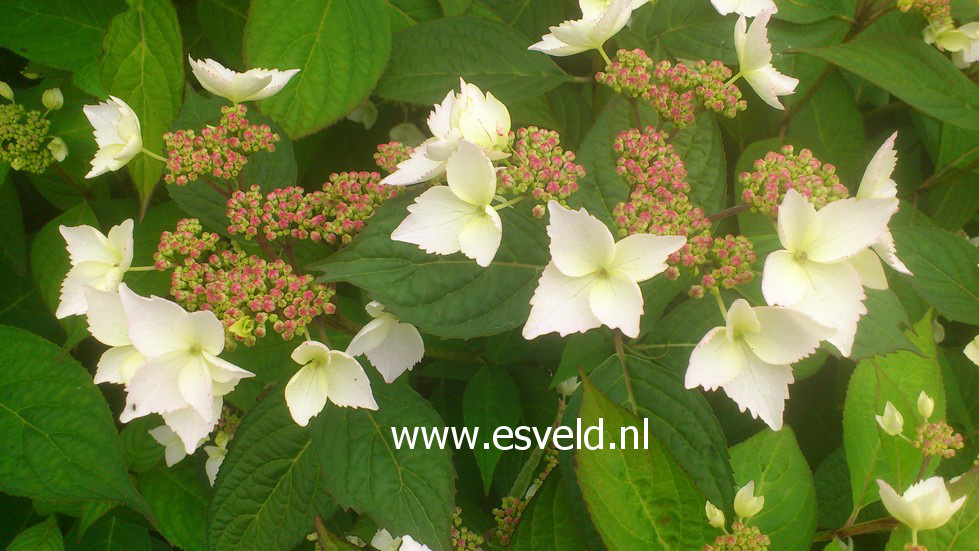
117 132
97 260
252 85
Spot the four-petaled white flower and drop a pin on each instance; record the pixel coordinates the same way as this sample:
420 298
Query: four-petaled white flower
468 115
591 280
891 422
751 356
747 8
391 345
963 41
183 378
746 503
925 505
812 274
971 350
755 61
215 455
458 217
97 260
326 374
877 184
602 19
252 85
107 323
174 450
117 134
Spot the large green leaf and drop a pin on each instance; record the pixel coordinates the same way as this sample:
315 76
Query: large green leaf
897 378
775 463
702 150
66 34
270 485
110 533
448 296
491 400
913 71
57 437
808 11
681 29
45 536
428 59
341 46
679 418
407 491
637 498
225 24
178 498
881 330
143 66
547 522
944 267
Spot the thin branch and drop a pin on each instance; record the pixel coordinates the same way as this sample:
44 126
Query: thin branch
869 527
625 373
736 209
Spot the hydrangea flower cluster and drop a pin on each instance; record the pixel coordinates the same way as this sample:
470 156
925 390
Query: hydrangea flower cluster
776 173
219 151
937 439
675 91
658 204
541 167
462 538
23 138
390 154
741 538
245 292
932 9
335 214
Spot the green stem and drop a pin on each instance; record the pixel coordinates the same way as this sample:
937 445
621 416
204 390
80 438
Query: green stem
149 153
510 203
620 352
720 302
601 50
142 269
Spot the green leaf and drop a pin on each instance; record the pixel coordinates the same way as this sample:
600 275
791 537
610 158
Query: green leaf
776 464
49 262
808 11
881 330
532 18
491 400
54 421
583 351
110 533
143 66
428 59
897 378
680 419
915 72
270 485
944 268
961 529
547 522
341 46
638 499
65 34
405 13
447 296
225 24
407 491
702 150
834 499
455 7
40 537
92 511
13 248
178 498
681 29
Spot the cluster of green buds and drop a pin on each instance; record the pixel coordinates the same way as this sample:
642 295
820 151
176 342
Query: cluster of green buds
229 420
508 517
335 214
390 154
540 167
723 262
246 292
217 151
742 537
675 91
24 141
462 538
932 438
765 187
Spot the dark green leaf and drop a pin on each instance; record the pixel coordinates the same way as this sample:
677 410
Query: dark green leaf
881 330
491 400
178 498
944 268
547 522
40 537
110 533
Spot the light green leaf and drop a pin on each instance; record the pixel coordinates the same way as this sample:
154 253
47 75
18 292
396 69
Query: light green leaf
491 400
40 537
407 491
178 497
54 421
944 268
448 296
143 66
915 72
428 59
638 499
405 13
774 461
681 29
808 11
583 351
455 7
270 485
341 46
547 522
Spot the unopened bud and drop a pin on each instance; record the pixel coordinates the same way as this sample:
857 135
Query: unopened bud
715 516
568 386
6 91
53 99
746 503
925 405
891 422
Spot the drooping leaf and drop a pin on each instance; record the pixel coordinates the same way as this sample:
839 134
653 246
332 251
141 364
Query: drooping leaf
491 400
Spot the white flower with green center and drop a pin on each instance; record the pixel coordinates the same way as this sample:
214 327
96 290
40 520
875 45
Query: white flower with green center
601 20
813 273
747 8
751 356
755 61
391 345
117 133
591 280
97 260
926 505
107 323
326 375
252 85
458 217
963 41
466 116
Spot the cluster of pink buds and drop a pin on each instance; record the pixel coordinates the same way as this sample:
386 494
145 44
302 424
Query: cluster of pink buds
217 151
938 439
741 538
24 138
247 293
674 90
540 167
335 214
932 9
507 517
777 173
462 538
390 154
726 260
